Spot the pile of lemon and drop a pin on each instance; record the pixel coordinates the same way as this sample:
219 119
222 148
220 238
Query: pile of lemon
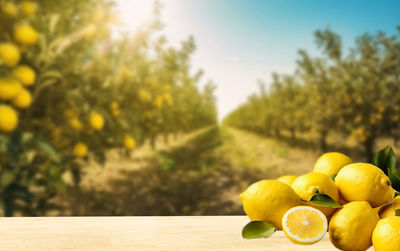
15 78
367 215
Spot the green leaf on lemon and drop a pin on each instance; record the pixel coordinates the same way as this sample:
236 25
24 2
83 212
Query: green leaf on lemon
397 212
258 229
324 200
394 176
385 159
333 177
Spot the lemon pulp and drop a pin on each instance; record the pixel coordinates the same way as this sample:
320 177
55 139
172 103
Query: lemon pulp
304 224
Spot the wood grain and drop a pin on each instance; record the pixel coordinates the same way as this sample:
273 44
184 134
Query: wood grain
138 233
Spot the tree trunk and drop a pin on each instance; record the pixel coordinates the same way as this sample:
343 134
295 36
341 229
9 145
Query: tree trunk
293 134
153 142
322 141
369 148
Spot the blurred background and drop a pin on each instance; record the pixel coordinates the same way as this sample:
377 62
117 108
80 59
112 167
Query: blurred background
173 107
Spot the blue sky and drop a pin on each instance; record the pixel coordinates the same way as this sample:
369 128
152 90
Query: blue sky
240 41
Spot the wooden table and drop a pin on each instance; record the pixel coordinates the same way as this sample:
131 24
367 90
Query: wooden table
139 233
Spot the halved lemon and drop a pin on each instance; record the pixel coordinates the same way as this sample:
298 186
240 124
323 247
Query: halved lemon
304 225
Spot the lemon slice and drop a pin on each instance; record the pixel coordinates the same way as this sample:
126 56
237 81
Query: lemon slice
304 225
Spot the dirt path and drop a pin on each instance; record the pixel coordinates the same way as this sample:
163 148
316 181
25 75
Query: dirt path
200 174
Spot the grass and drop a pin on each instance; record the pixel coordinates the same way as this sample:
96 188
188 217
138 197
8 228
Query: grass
201 173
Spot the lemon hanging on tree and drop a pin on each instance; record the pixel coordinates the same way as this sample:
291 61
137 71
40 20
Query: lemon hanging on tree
80 150
129 142
28 8
25 34
96 121
25 75
9 54
8 118
23 99
9 88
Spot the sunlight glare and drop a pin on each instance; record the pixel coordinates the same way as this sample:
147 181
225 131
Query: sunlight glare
134 13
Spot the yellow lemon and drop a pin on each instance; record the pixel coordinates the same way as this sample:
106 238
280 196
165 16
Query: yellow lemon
9 89
25 75
9 9
96 121
364 182
386 235
28 8
351 227
25 34
75 124
331 163
304 225
309 184
9 54
288 179
269 200
23 99
8 118
114 105
80 150
144 96
389 209
158 103
129 143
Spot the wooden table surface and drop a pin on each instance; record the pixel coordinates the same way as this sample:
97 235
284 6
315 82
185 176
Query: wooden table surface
138 233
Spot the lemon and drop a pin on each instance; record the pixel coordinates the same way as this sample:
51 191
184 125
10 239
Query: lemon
129 142
144 96
269 200
388 210
8 118
351 227
9 9
9 54
96 121
309 184
28 8
331 163
386 235
304 225
25 34
9 89
25 75
288 179
364 182
80 150
75 124
114 105
23 99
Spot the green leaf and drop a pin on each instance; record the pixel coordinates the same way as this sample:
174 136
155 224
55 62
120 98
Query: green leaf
7 177
397 212
258 229
333 177
394 176
324 200
46 148
385 159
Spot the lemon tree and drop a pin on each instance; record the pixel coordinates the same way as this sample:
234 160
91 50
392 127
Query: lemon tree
71 90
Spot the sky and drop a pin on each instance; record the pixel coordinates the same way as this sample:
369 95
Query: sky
242 41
